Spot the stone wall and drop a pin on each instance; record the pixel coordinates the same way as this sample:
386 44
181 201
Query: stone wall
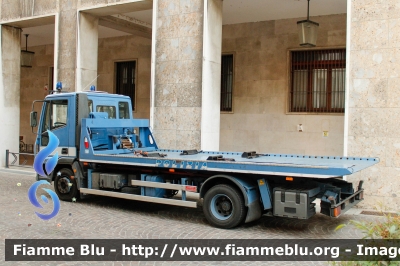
374 98
9 89
260 120
12 10
33 83
126 48
93 3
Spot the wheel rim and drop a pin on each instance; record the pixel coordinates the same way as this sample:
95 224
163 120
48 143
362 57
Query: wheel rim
221 207
63 185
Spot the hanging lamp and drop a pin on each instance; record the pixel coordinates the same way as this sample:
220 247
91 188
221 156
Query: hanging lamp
307 30
26 56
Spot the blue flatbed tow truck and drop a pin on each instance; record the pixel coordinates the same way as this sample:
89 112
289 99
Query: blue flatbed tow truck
105 151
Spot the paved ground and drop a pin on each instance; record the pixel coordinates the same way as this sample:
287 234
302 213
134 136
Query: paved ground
104 218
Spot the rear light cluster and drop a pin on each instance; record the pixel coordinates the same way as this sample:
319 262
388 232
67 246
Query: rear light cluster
86 143
336 211
191 188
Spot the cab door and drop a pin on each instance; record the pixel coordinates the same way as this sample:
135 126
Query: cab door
58 117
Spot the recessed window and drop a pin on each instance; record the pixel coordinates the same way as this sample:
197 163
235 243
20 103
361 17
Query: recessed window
126 80
226 82
318 81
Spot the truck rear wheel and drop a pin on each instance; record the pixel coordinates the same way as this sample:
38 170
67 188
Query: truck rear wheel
65 186
224 207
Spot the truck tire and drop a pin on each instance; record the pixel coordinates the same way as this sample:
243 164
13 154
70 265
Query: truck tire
65 186
223 206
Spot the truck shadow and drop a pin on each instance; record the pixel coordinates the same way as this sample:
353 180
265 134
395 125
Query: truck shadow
318 226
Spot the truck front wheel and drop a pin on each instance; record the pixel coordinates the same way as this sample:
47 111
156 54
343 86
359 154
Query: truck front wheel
65 185
224 206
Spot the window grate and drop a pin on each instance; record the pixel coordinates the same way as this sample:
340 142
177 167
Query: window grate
318 81
126 80
226 82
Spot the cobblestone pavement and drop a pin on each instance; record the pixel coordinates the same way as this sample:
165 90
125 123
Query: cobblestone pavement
105 218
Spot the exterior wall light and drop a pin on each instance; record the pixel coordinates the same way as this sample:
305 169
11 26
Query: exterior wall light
308 30
26 56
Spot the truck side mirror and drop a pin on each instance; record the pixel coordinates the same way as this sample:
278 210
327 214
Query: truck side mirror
33 119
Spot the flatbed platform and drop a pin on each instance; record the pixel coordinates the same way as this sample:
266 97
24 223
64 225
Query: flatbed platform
237 162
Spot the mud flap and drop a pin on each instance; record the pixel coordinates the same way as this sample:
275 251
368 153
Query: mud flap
253 211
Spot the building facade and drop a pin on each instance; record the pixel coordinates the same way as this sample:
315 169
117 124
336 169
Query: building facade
207 81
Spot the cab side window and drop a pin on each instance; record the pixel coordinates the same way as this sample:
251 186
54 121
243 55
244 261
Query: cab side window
59 114
90 106
55 115
110 110
123 110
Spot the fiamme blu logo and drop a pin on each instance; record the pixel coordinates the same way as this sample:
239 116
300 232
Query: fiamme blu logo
43 169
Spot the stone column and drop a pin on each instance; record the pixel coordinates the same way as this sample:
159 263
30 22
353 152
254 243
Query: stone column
373 93
10 69
65 45
185 83
211 78
87 55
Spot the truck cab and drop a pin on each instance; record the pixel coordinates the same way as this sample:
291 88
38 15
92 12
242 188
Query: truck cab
62 114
